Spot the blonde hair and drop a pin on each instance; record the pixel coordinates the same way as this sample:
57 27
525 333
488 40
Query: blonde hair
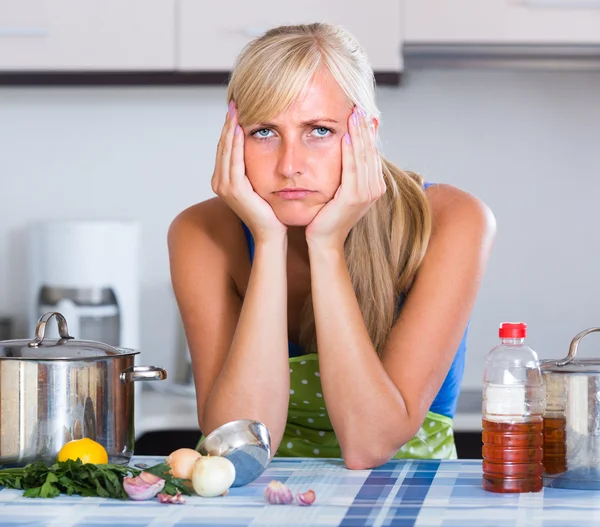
386 246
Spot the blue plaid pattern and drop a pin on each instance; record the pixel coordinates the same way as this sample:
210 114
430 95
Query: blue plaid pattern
401 493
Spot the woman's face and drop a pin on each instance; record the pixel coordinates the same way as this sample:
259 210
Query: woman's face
294 161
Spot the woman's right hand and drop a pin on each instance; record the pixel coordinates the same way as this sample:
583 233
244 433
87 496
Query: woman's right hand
229 181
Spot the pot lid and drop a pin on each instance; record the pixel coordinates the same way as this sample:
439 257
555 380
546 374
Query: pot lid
66 347
584 366
569 364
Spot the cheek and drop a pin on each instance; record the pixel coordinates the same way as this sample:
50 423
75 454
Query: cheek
328 165
256 165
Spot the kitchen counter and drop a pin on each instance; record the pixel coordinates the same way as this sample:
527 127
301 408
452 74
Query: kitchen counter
174 408
399 493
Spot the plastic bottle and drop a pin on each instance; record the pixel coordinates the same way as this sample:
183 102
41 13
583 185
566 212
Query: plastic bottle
513 407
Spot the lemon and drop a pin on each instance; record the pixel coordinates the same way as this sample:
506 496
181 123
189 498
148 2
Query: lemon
88 450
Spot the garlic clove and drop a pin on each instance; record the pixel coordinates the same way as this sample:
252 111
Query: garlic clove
143 487
306 498
277 493
212 476
167 498
150 478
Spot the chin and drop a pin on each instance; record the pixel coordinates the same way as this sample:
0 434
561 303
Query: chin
295 216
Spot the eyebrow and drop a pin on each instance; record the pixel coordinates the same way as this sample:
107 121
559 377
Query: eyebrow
310 122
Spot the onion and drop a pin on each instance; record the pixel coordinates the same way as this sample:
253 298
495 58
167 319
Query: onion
182 462
212 476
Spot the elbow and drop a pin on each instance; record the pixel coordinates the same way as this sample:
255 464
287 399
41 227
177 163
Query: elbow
359 464
368 458
365 461
365 457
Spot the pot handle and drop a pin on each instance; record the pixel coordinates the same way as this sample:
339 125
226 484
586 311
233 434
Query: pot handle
574 344
40 328
143 373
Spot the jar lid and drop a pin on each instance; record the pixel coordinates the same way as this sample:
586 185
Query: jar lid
64 348
569 364
512 330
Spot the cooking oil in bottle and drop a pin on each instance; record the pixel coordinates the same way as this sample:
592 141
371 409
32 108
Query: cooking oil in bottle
555 445
513 407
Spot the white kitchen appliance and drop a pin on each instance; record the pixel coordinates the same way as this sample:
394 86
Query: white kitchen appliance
89 272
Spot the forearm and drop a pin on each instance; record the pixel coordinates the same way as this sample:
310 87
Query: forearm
367 411
254 382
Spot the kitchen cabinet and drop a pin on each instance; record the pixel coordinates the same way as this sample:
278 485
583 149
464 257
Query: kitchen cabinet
211 43
87 35
507 22
102 42
170 41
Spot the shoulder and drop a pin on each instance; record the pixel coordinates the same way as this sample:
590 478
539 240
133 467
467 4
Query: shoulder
457 212
207 216
209 228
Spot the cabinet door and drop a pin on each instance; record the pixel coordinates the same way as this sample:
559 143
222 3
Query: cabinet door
210 40
502 22
87 35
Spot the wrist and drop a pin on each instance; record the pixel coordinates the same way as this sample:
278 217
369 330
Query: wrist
328 249
275 240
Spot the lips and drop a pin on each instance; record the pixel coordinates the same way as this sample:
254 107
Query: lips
293 193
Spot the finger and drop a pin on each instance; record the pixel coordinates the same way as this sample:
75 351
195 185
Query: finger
365 162
237 170
227 145
348 164
221 141
358 174
375 175
217 174
370 158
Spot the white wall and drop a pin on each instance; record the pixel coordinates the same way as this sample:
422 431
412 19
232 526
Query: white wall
524 142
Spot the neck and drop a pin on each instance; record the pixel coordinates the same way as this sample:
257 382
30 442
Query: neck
297 241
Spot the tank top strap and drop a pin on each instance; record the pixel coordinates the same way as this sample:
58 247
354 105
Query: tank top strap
249 241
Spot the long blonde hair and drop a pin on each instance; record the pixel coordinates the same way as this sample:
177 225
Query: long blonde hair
386 246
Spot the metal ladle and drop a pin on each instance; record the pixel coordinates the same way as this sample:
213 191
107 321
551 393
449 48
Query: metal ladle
246 443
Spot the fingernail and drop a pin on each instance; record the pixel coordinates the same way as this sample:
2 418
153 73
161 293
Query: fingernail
231 108
361 112
347 138
237 129
354 117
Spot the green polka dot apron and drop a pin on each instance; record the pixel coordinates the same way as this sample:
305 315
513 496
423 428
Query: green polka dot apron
308 432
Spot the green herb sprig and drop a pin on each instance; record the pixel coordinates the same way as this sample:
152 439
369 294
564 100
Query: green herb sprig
85 479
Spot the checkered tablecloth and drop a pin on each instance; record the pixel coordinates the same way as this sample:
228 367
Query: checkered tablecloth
400 493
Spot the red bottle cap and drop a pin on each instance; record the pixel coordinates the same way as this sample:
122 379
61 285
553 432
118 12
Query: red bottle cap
513 330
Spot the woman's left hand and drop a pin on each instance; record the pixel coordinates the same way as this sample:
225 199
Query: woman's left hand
362 185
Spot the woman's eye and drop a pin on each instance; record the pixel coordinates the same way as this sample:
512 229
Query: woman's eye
263 133
321 131
318 132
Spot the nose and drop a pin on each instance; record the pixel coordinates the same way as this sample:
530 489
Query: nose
291 161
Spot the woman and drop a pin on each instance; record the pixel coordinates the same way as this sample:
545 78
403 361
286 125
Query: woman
325 292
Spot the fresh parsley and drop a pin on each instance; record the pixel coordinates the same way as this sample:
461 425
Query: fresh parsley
85 479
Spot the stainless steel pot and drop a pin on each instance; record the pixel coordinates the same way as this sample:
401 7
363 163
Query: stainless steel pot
56 390
572 420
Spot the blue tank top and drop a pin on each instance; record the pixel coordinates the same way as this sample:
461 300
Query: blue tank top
446 399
